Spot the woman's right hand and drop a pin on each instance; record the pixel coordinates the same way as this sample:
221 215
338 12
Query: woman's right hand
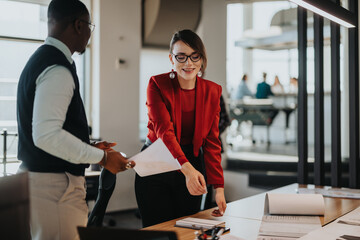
195 181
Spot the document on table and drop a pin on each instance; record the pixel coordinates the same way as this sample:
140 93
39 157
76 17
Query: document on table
230 237
276 227
343 228
289 223
333 192
294 204
197 223
155 159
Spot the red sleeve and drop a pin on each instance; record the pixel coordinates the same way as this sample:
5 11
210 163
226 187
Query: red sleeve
212 151
160 121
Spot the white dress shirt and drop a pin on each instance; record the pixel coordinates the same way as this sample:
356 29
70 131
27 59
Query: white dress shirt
54 91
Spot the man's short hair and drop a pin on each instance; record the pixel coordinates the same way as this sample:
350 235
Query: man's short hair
65 11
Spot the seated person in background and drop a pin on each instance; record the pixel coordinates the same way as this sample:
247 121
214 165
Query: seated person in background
243 89
293 88
263 89
277 87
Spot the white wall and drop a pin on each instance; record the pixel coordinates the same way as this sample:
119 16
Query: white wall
152 62
116 90
212 31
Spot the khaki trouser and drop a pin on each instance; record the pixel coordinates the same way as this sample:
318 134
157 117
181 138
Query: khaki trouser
57 205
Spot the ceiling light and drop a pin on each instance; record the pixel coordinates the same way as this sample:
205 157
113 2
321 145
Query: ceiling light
329 10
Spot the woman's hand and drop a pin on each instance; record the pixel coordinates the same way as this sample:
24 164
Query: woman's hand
220 201
195 181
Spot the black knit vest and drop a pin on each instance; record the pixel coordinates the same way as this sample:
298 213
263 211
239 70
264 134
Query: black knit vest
33 158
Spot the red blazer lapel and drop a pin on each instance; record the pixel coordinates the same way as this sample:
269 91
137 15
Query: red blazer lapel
177 108
199 115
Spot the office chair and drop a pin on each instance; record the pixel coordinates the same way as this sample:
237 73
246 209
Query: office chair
15 207
107 182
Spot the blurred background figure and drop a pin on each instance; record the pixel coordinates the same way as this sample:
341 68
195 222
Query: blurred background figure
243 90
277 87
293 87
263 89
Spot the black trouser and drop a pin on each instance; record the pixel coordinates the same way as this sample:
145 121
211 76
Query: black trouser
164 196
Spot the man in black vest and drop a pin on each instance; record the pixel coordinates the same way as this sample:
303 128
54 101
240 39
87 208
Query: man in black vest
54 141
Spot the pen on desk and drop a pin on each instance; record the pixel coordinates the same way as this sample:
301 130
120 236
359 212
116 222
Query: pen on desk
213 233
349 222
349 237
220 232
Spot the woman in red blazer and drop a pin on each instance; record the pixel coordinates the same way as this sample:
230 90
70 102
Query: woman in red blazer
183 111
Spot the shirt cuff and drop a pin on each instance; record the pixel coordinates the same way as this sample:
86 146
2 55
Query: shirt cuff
96 155
218 186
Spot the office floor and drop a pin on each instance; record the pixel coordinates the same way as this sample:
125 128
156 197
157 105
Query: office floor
125 219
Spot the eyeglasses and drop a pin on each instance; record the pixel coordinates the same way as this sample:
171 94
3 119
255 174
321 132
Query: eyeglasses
91 25
181 58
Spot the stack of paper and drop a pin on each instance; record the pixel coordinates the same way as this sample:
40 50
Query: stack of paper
287 227
197 223
344 228
283 220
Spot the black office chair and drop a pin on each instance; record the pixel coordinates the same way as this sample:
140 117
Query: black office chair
107 182
15 207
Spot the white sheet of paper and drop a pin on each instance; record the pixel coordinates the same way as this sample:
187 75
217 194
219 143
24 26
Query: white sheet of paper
333 192
345 225
155 159
294 204
285 226
230 237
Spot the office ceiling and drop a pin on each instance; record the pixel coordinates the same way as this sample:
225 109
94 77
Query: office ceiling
162 18
282 33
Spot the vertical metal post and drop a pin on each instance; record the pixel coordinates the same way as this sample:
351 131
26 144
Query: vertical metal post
319 171
354 164
4 149
302 98
336 167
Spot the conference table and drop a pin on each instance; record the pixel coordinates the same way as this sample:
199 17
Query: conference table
244 216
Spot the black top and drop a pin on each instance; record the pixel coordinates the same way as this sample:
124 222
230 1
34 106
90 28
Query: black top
35 159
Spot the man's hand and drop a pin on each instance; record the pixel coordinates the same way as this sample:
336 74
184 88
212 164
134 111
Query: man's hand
115 162
195 181
104 145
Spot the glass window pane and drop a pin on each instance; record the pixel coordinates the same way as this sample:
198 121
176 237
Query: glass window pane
25 20
8 109
13 57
